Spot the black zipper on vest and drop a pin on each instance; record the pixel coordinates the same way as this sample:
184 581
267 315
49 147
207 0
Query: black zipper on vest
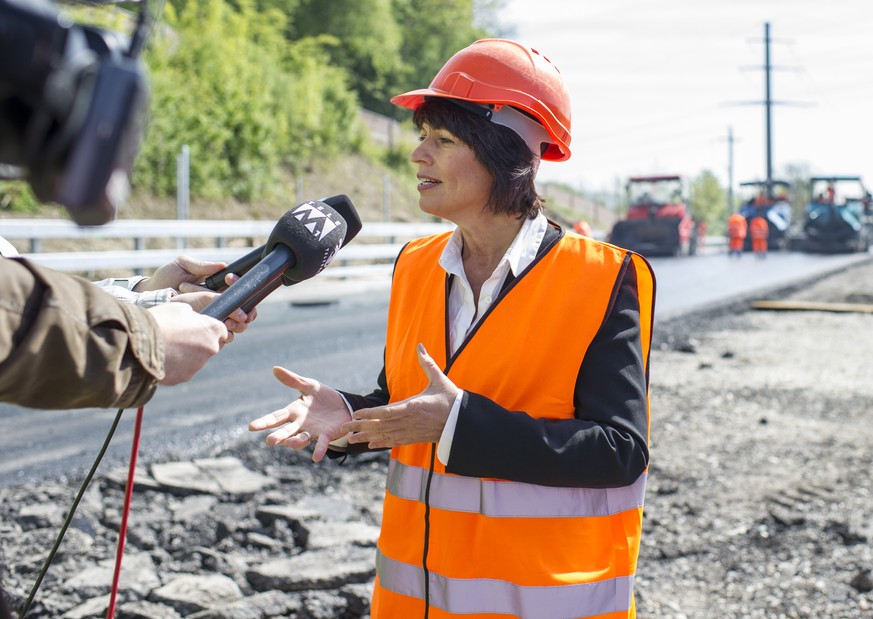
433 448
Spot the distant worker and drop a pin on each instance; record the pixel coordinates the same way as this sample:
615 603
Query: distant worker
736 229
582 227
760 230
829 194
761 199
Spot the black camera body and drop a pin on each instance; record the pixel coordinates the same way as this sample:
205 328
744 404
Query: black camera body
73 100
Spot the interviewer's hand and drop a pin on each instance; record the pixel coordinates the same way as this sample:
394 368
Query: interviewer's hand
190 340
183 269
182 274
199 297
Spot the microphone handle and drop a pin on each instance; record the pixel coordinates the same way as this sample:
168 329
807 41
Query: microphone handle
257 283
240 267
251 303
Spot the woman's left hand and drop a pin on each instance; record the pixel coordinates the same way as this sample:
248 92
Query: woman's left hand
419 419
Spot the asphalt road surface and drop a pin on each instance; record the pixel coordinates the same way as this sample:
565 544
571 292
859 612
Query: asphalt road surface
339 343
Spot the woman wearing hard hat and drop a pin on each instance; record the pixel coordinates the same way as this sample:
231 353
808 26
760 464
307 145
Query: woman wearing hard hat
514 395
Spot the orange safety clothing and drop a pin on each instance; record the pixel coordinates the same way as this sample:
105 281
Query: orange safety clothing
736 230
760 230
480 547
582 227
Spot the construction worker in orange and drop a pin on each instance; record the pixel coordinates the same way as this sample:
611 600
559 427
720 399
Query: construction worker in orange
761 199
760 230
582 227
736 230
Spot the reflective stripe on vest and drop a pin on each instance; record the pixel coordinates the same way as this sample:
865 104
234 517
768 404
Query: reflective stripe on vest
486 596
504 499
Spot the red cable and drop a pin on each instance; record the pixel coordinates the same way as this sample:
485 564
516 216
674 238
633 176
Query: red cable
122 531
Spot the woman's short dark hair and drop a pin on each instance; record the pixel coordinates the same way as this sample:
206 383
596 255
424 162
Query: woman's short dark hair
501 150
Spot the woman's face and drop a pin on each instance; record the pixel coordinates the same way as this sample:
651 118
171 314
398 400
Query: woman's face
452 183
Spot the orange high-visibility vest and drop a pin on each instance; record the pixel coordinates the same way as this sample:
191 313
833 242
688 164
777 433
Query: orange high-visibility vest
737 226
760 228
497 547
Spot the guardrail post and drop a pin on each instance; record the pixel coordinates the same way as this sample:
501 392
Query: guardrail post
386 200
138 245
183 192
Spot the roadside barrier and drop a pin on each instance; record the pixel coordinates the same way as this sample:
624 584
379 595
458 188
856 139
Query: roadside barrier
374 250
372 253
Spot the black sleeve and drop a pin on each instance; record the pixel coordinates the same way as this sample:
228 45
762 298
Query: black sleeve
605 445
378 397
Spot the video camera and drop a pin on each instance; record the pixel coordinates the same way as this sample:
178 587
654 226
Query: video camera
72 107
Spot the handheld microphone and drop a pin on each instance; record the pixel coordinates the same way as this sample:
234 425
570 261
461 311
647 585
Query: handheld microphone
341 204
302 244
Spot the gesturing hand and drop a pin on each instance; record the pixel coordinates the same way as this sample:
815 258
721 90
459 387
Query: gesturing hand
318 414
419 419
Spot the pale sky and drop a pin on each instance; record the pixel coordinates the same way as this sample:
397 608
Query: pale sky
657 85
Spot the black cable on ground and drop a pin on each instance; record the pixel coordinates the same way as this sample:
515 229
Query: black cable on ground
70 515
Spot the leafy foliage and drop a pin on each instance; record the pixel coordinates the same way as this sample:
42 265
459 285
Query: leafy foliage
801 193
260 89
226 83
433 31
17 197
709 200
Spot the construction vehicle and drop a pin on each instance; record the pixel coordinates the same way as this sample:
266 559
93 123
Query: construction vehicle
838 218
658 221
770 200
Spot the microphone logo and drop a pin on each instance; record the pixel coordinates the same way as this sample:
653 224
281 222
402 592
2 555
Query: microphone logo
314 219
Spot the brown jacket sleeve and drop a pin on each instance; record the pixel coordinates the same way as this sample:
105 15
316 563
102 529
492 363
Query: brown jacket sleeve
65 343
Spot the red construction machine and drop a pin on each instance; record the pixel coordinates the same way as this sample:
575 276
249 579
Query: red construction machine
658 221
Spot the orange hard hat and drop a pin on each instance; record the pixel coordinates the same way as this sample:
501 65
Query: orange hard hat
499 72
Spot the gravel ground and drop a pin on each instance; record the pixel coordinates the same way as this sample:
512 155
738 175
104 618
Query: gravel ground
760 491
760 497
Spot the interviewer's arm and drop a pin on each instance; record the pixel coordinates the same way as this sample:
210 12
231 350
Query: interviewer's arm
64 343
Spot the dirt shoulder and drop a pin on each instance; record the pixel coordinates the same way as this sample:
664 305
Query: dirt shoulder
760 494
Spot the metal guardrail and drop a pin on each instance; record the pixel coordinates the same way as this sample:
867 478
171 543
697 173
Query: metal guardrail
255 232
370 257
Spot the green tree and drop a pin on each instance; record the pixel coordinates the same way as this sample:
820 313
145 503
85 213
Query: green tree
226 83
363 38
798 175
389 46
433 30
709 201
256 88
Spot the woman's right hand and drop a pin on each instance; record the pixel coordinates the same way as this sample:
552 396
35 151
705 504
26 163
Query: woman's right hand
318 414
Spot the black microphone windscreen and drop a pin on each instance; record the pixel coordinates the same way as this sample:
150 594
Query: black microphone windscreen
343 205
315 232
